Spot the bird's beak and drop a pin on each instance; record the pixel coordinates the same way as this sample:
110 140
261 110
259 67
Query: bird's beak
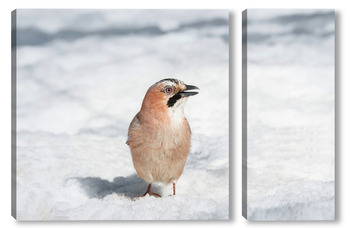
186 92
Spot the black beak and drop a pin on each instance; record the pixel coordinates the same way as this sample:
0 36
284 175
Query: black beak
187 93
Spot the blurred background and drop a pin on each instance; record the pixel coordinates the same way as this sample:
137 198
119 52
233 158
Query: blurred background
84 70
81 78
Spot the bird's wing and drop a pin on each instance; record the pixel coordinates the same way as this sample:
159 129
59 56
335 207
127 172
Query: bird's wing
134 124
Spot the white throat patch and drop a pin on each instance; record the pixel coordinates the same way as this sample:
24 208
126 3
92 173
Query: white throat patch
176 112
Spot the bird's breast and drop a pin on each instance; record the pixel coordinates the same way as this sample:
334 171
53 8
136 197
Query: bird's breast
161 135
173 136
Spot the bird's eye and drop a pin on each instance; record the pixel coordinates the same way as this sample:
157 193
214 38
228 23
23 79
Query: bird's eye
168 90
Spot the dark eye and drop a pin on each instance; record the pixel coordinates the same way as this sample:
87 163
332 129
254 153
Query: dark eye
168 90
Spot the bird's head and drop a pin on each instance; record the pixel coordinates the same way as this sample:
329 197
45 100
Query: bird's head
167 96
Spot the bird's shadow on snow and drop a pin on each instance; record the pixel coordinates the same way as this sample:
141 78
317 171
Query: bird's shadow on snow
130 187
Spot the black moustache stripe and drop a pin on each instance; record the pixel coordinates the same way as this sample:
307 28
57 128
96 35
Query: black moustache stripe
172 100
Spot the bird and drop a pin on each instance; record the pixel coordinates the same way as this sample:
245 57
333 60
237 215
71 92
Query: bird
159 136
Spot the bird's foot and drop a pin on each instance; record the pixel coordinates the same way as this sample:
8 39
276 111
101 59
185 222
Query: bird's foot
149 192
153 194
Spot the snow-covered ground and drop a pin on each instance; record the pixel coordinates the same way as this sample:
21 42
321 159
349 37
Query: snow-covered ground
81 78
290 115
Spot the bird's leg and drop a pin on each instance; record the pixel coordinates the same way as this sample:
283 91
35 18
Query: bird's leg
149 192
173 189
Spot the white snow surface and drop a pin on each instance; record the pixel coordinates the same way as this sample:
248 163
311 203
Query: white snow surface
76 97
290 115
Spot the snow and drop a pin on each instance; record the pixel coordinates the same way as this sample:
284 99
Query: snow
291 203
76 97
290 115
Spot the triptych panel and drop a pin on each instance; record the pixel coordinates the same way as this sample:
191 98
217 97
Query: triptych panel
289 105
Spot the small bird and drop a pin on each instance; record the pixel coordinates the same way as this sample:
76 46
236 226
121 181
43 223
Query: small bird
159 136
